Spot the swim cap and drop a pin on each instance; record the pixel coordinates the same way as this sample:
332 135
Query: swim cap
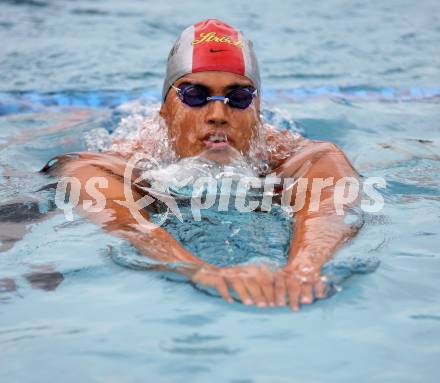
211 45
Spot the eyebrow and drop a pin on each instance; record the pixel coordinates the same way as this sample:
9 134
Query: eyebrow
226 88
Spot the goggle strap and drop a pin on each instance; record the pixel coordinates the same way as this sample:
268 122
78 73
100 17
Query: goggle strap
178 90
220 98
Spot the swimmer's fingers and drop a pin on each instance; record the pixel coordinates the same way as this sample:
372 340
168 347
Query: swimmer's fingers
222 288
321 288
259 284
253 284
280 289
250 282
266 282
312 291
239 287
306 294
212 279
293 291
254 291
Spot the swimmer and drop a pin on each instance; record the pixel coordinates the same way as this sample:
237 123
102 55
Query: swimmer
211 101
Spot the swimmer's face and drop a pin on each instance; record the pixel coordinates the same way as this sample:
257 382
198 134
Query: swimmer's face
190 128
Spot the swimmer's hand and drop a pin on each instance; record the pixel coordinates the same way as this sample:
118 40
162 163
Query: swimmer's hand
302 282
253 284
258 285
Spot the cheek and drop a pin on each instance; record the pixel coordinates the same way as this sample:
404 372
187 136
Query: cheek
245 129
183 132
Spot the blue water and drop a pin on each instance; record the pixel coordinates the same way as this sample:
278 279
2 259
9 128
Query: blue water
362 74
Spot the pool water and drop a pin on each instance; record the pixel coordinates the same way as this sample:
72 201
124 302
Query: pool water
77 304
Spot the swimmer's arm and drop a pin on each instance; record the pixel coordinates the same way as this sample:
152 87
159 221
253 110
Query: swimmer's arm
252 284
316 234
117 219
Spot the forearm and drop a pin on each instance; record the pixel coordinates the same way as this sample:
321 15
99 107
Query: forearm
319 227
151 241
316 238
117 216
161 246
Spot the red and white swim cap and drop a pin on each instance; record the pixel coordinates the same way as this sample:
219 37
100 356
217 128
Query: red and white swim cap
211 45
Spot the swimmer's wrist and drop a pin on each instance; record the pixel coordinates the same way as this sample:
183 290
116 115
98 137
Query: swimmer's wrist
304 265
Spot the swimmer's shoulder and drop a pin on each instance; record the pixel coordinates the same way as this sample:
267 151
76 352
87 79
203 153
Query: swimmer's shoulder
282 144
69 163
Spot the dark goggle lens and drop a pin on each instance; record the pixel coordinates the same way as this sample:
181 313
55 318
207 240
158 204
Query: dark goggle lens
194 95
240 98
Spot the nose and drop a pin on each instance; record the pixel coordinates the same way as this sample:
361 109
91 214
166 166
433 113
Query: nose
217 113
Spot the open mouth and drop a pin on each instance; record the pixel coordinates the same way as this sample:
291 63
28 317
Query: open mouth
218 140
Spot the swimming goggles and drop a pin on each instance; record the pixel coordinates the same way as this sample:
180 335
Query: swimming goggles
198 95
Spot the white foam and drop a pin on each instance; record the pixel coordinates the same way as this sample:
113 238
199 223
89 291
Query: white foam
143 132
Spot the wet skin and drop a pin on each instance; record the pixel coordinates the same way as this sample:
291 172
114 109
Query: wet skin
189 126
316 235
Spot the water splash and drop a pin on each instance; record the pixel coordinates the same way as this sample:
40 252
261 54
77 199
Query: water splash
141 131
